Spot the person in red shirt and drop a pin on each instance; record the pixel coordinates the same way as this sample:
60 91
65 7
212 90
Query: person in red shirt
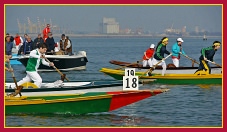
148 55
46 30
18 41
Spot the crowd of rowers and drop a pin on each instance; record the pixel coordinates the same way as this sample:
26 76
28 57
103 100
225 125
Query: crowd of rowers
154 55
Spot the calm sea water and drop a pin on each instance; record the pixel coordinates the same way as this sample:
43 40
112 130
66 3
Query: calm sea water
182 106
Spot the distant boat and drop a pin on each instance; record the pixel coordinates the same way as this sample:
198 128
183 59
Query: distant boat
204 37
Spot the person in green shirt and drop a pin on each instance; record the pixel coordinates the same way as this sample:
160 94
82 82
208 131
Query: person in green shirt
207 54
37 56
159 54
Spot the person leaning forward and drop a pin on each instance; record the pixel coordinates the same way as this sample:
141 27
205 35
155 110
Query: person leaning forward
36 56
148 56
207 54
159 54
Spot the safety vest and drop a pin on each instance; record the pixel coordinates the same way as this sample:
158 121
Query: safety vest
17 40
62 46
45 33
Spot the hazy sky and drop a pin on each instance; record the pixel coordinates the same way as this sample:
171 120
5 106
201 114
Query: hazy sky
149 18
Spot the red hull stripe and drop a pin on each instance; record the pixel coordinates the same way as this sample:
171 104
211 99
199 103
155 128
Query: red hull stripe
127 98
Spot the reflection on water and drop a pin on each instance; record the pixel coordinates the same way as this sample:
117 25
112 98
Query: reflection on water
130 121
72 120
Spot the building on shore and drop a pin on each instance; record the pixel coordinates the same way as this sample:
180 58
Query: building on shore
109 26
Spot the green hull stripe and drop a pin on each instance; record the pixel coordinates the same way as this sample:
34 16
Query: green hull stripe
178 81
78 107
87 105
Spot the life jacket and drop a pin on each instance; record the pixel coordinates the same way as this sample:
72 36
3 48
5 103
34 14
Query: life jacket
45 33
17 40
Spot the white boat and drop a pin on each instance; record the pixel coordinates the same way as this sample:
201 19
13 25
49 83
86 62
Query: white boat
14 59
66 87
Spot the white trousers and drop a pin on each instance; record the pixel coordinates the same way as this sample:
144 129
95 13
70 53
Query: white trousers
176 62
31 76
163 64
147 62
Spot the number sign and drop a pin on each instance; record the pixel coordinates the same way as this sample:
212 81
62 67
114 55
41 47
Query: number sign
130 81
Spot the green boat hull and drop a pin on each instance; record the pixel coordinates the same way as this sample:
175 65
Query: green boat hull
101 104
91 102
92 106
213 81
196 81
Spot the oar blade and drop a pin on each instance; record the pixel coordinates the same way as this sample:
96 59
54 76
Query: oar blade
63 77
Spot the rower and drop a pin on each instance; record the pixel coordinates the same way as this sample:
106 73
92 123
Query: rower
207 54
36 56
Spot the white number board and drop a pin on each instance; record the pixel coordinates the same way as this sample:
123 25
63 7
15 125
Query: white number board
130 81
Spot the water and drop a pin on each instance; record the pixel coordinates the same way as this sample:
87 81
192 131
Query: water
182 106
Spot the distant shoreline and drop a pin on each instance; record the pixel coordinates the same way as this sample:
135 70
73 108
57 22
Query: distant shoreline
118 36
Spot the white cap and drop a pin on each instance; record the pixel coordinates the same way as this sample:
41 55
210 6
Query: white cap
152 46
180 39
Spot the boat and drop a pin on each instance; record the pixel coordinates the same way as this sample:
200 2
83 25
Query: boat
62 62
204 37
15 57
59 87
14 60
175 79
83 103
171 69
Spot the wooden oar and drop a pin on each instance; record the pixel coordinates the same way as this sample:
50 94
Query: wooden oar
18 89
152 68
129 64
63 75
190 58
214 63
